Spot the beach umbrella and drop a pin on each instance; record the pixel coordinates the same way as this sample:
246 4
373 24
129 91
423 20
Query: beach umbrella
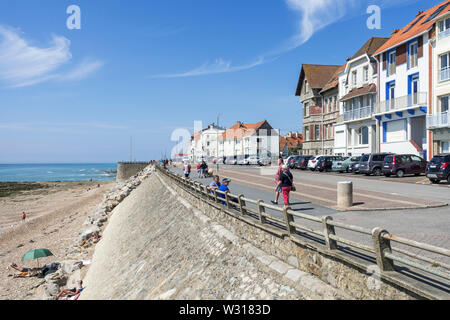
36 254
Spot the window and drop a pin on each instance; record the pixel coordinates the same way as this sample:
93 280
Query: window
306 133
354 78
392 64
363 135
366 74
444 28
445 67
306 106
317 132
444 103
413 55
445 146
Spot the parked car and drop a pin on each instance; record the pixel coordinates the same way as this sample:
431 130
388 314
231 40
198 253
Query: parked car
372 163
439 168
325 163
292 161
254 160
302 162
312 163
286 160
265 161
344 165
401 164
354 167
242 161
232 160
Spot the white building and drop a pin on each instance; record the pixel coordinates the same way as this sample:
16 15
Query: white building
355 133
205 144
404 86
244 140
439 121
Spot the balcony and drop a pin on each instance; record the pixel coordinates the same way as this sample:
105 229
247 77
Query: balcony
444 74
358 113
444 34
439 120
418 99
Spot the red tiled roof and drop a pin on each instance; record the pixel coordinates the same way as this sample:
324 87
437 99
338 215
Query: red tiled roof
419 25
292 142
334 80
317 75
240 130
371 88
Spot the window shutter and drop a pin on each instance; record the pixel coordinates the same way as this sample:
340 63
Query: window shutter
401 55
384 61
420 47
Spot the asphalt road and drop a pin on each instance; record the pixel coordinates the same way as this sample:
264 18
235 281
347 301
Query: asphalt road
425 225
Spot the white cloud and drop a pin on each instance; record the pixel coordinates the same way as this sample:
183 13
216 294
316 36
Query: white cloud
82 70
22 64
219 66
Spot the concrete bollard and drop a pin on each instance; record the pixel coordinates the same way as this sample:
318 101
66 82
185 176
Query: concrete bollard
345 194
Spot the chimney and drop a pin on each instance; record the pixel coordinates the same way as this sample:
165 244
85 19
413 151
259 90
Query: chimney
239 124
419 13
394 31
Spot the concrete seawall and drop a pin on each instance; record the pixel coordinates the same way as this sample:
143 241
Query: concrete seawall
158 246
126 170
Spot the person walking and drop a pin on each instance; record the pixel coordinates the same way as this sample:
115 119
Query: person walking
286 182
277 179
199 171
24 216
203 168
187 170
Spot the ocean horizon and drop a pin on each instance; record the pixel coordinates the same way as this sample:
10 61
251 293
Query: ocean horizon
41 172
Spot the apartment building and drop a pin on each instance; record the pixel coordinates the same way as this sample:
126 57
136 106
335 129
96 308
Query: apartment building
355 133
249 139
438 122
404 87
205 143
312 80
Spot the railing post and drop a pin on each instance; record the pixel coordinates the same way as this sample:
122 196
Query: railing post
215 196
289 218
242 204
227 200
327 230
382 245
261 211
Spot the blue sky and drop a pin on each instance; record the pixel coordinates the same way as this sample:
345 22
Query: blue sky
143 68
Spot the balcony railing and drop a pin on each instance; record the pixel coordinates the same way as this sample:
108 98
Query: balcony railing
444 74
411 100
444 34
439 120
358 113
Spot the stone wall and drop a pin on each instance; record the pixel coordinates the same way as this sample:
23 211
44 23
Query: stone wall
355 273
126 170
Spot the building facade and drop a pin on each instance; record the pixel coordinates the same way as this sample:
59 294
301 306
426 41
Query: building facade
244 140
356 132
291 144
404 88
438 122
312 80
205 144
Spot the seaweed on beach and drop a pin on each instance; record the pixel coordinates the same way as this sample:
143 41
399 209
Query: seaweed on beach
10 188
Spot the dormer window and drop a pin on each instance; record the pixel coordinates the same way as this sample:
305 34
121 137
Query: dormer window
444 28
354 78
392 63
413 55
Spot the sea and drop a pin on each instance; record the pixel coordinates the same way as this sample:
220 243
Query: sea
58 172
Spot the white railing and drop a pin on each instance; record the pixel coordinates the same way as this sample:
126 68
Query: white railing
444 34
444 74
411 100
358 113
439 120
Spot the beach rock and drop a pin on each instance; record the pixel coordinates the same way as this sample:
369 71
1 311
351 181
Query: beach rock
86 234
69 266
